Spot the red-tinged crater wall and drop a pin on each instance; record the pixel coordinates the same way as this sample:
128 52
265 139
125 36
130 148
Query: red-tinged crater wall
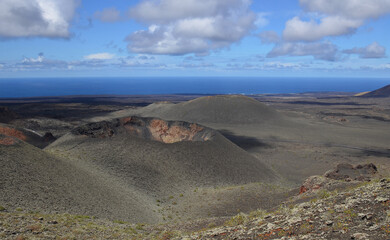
7 141
11 132
148 128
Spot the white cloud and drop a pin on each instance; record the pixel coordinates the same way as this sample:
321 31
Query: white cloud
333 18
39 59
168 11
373 50
322 51
298 30
40 62
352 9
202 65
108 15
100 56
265 66
178 27
281 65
261 20
36 18
385 66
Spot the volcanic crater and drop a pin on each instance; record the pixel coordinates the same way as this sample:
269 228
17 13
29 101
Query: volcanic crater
148 128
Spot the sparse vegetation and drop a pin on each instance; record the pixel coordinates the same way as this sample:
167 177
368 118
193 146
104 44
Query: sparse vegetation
257 214
236 220
322 194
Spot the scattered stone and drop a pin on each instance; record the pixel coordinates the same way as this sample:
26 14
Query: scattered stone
373 228
359 236
381 199
329 223
294 220
305 205
362 216
270 226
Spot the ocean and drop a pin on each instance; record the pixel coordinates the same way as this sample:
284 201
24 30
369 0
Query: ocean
37 87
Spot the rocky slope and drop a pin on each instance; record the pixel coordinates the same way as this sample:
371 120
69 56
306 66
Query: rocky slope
360 212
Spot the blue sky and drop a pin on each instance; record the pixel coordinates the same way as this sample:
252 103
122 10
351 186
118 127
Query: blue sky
76 38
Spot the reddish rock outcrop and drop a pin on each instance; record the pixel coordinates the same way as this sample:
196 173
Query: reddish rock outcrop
7 141
313 183
11 132
161 131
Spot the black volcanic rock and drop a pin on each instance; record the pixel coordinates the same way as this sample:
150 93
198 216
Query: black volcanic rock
48 137
346 171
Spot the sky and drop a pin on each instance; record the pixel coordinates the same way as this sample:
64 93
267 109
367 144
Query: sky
134 38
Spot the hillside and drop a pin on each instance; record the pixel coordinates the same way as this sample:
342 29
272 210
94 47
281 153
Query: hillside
381 92
223 109
167 160
159 152
359 212
39 181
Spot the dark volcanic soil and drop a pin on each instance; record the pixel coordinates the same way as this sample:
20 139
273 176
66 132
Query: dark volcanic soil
382 92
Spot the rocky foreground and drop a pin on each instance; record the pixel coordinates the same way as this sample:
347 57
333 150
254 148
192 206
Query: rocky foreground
360 212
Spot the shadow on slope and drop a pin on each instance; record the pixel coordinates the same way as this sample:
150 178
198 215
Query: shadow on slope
244 142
